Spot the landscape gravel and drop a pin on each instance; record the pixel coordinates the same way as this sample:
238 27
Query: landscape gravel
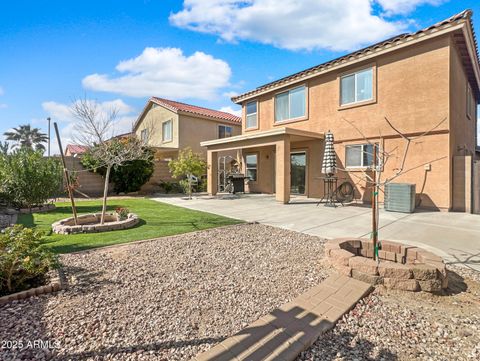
396 325
166 299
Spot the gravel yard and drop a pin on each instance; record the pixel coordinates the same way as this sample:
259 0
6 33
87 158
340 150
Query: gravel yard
164 300
395 325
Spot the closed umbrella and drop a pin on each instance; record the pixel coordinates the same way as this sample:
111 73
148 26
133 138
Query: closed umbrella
329 157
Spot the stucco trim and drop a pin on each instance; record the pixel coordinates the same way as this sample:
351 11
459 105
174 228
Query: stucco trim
264 134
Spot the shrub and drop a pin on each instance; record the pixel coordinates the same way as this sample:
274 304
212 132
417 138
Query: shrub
128 177
170 187
24 262
28 179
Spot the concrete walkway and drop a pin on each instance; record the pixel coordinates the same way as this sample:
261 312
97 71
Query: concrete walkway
454 236
293 327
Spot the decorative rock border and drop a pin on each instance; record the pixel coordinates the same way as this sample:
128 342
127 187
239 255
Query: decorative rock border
399 266
56 284
90 223
40 209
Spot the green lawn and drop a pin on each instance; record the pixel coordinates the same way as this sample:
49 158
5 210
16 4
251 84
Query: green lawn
157 220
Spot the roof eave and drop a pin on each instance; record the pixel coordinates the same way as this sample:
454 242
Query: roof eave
344 61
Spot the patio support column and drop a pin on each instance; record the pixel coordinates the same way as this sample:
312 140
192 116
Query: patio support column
282 170
212 172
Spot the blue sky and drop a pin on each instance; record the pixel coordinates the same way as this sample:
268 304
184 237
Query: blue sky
197 51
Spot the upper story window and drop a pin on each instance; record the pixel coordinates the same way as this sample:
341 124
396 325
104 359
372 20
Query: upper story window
359 155
291 104
251 115
167 131
471 103
144 136
356 87
224 131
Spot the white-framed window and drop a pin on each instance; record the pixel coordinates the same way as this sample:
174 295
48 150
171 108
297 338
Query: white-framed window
167 130
251 162
291 104
144 135
356 87
224 131
471 103
360 155
251 115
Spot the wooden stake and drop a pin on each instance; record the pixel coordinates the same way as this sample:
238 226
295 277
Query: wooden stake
65 172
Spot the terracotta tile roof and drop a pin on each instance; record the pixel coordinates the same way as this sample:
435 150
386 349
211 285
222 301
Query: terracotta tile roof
466 14
75 149
188 108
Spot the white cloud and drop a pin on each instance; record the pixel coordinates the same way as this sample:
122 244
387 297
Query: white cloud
229 109
230 94
165 72
291 24
403 7
60 113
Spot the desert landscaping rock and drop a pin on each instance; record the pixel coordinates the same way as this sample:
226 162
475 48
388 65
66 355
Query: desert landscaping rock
396 325
167 299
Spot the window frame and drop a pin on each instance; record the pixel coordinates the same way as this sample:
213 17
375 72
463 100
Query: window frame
355 71
224 126
256 166
165 140
362 166
144 135
295 119
256 115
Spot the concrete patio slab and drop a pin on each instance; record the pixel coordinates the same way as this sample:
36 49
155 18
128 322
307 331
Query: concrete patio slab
454 236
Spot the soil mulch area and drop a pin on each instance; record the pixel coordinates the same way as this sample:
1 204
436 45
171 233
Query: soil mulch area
395 325
163 300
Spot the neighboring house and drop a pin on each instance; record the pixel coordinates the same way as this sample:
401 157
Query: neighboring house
170 126
74 150
415 80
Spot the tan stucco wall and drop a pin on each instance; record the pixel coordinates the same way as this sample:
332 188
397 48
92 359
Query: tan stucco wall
412 90
194 130
153 120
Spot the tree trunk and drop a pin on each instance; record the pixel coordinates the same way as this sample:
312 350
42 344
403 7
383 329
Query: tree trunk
189 186
105 194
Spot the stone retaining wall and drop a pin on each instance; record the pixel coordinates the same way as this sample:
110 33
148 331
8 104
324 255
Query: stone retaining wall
399 266
56 284
90 223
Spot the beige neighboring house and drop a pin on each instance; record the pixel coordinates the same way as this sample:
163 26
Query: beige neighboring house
170 126
414 79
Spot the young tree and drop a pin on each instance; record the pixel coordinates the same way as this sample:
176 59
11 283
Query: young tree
189 165
27 137
380 157
95 130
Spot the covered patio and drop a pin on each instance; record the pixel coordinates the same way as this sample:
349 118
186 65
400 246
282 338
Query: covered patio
280 161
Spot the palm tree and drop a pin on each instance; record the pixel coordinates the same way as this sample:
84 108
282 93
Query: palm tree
27 137
4 146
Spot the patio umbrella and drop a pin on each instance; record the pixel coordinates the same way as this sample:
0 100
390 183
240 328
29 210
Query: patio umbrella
329 157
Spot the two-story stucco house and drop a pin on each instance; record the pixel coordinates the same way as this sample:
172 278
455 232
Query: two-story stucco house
416 80
170 126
